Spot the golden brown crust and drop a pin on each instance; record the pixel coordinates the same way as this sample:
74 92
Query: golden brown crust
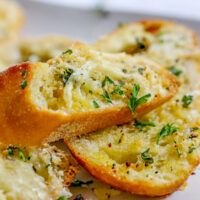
146 188
22 123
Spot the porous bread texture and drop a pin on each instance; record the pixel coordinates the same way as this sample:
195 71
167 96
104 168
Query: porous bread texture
162 41
11 20
114 155
40 173
41 49
88 70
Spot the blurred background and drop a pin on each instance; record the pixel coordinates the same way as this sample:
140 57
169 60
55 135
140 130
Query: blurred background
89 19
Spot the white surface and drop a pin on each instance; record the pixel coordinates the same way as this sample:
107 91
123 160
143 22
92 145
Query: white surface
176 8
88 26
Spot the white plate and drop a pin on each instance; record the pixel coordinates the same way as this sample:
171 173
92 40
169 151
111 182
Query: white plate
88 25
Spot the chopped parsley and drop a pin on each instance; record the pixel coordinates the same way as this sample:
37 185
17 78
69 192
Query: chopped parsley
66 75
21 153
141 125
134 101
62 198
107 79
10 152
118 90
194 129
166 130
78 183
175 71
140 70
106 96
24 84
96 105
147 157
24 73
191 149
179 152
51 162
187 100
69 51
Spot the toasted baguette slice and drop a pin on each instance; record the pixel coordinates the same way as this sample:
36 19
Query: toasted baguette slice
117 155
39 173
162 41
81 91
11 20
114 156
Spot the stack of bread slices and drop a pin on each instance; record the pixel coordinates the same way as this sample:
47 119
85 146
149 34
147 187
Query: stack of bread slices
127 107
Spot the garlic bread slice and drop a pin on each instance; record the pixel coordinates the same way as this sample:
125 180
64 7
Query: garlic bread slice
39 173
154 154
162 41
78 92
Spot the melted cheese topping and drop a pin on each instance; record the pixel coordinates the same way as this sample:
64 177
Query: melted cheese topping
73 82
39 178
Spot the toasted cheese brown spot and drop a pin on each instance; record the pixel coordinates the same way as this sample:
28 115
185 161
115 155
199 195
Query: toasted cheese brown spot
40 173
170 161
58 97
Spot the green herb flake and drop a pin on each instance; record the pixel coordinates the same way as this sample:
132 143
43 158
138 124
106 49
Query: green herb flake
10 152
96 105
141 125
167 130
107 79
191 149
62 198
179 152
24 84
69 51
175 71
106 96
65 77
29 157
194 129
24 73
78 183
147 157
118 90
51 162
187 100
21 153
134 101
